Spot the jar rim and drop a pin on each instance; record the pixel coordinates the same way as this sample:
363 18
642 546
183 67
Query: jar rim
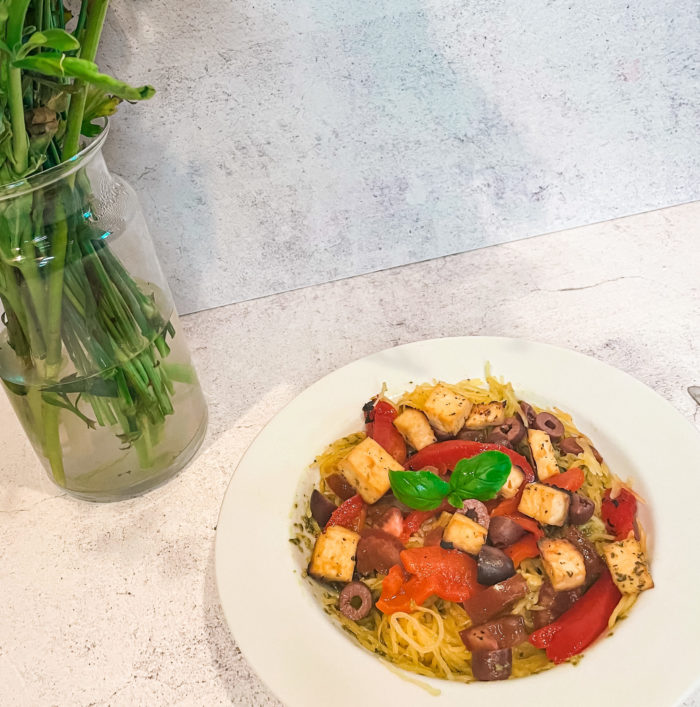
40 180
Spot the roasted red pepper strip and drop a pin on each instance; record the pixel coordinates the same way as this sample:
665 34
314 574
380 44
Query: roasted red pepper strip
523 549
570 480
509 509
394 597
445 455
350 514
449 574
413 521
381 429
578 627
619 513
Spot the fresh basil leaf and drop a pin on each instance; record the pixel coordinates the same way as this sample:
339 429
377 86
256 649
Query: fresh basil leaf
421 490
454 499
480 477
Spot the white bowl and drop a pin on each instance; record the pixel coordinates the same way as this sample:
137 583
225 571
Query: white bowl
653 658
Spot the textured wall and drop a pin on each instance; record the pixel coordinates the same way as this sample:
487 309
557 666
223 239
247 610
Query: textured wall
298 142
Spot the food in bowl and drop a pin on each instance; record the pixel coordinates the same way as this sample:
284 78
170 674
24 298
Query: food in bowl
466 534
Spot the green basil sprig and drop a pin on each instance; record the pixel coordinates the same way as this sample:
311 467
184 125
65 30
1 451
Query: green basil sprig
480 477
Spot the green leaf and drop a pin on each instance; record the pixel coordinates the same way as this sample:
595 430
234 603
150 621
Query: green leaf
421 490
97 105
454 499
57 39
59 65
480 477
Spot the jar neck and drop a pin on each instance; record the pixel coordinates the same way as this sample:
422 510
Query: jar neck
89 160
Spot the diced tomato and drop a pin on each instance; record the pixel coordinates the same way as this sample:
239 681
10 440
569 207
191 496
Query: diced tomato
619 513
381 429
578 627
445 455
413 521
570 480
522 549
350 514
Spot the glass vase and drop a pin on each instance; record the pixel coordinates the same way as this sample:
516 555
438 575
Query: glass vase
92 356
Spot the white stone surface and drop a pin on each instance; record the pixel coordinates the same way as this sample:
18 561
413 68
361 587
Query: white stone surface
116 604
294 143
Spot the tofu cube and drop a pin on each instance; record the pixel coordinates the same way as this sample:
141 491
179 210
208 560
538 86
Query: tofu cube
464 534
486 414
333 557
366 469
562 563
415 428
628 566
543 454
546 504
446 410
513 482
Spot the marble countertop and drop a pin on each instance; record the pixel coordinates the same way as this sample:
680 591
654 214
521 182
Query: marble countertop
116 604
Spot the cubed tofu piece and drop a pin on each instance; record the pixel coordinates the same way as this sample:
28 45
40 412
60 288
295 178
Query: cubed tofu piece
446 410
464 534
486 414
415 428
542 453
513 482
563 564
366 469
333 557
546 504
628 566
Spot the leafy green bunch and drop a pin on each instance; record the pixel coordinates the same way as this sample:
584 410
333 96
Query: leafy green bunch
51 91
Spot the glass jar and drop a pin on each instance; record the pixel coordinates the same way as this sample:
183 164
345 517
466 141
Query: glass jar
92 355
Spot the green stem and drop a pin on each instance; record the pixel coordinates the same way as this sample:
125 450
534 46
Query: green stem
54 290
20 145
52 448
88 51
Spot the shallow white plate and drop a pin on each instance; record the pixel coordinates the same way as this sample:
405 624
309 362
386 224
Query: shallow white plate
653 657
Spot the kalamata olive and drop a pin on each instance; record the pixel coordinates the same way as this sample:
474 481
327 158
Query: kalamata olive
580 509
490 602
597 455
496 436
472 435
340 486
492 665
506 632
546 422
513 429
321 507
355 601
377 551
493 566
504 531
569 445
476 508
528 413
591 559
